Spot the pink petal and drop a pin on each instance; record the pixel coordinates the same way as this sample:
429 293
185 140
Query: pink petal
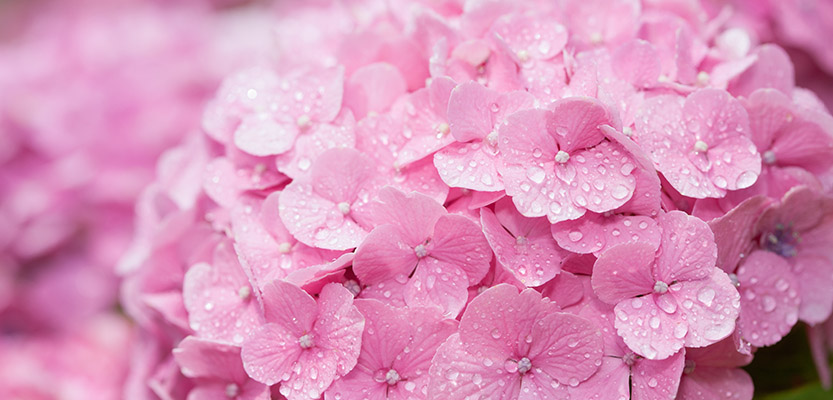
769 298
560 346
384 255
733 231
413 214
357 383
339 327
575 123
314 141
201 358
648 329
216 308
386 334
549 39
460 242
431 330
688 248
814 277
533 261
611 380
470 113
716 383
539 385
657 379
269 354
260 135
711 306
312 210
457 374
289 307
772 69
373 88
594 233
602 176
470 165
637 62
564 290
668 151
437 284
528 173
623 272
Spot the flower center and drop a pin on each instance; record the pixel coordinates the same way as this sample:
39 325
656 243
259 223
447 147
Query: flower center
344 207
660 287
306 341
781 241
285 247
392 377
232 390
420 251
524 365
303 121
701 146
442 130
521 240
769 157
562 156
629 358
244 292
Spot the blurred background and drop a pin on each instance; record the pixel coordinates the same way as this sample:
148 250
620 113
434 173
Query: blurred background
91 94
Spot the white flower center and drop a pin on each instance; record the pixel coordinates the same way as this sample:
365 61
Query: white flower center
392 377
303 121
769 157
232 390
420 251
523 55
660 287
524 365
443 129
306 341
344 207
703 78
521 240
701 146
285 247
244 292
562 156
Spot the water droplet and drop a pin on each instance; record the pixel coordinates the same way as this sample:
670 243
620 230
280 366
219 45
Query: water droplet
706 296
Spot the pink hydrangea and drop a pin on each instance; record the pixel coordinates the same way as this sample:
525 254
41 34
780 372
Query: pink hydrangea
675 296
515 345
305 344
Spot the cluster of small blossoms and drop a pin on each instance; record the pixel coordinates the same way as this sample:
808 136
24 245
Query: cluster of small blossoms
581 199
91 93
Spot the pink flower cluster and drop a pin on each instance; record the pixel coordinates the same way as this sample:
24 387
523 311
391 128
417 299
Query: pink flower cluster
91 94
583 199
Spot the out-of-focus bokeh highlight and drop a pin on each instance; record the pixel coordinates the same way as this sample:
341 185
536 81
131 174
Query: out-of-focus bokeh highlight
92 92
